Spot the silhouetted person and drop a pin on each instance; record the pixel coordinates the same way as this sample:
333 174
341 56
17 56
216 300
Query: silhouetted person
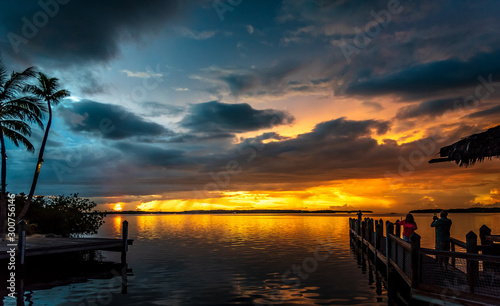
442 226
409 227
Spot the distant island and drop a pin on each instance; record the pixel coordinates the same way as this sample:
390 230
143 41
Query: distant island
255 211
461 210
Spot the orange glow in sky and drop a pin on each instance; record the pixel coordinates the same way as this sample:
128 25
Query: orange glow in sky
118 207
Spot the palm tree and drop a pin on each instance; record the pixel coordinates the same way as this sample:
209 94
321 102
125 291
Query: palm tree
15 111
47 90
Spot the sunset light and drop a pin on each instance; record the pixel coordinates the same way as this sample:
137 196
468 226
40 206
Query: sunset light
241 152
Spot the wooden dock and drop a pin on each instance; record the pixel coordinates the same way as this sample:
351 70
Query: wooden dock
40 245
472 276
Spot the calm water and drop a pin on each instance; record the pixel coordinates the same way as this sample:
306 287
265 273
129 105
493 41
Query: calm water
239 260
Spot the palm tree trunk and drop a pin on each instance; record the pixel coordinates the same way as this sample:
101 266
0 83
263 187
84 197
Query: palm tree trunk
3 196
38 166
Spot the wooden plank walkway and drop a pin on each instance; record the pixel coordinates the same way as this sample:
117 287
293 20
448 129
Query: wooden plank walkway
40 245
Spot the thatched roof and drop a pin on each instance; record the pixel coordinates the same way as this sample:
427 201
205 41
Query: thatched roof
472 149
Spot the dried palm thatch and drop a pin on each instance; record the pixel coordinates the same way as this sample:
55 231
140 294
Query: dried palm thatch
472 149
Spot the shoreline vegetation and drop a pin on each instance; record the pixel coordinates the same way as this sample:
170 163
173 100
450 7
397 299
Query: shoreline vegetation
223 211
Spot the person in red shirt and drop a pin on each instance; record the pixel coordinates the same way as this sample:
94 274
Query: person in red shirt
409 227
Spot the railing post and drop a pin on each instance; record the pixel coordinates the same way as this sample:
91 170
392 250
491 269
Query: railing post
358 229
22 242
398 230
389 232
415 259
370 231
472 265
125 241
377 238
363 235
483 232
453 261
378 235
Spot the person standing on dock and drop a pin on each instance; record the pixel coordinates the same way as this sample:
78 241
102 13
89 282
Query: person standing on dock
409 227
442 226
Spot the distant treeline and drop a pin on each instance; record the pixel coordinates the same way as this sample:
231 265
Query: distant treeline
461 210
255 211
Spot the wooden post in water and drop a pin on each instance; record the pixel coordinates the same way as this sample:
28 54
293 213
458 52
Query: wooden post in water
125 241
389 231
363 235
415 259
472 265
370 231
22 242
358 229
378 238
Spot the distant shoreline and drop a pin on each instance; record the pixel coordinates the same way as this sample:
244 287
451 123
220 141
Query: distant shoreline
460 210
256 211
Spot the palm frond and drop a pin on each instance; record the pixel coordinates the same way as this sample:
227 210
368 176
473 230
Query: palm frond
25 108
3 73
18 126
47 89
16 83
61 94
33 89
18 139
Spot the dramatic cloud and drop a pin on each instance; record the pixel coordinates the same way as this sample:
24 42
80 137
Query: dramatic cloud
431 109
432 77
490 112
79 31
279 79
109 121
378 114
217 117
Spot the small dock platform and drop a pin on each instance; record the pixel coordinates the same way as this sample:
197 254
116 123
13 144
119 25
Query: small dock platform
39 245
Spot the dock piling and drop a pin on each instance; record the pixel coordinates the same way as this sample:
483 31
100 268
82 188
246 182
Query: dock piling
125 241
22 241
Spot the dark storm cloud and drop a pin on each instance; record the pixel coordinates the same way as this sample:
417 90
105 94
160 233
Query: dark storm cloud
349 128
494 111
333 145
433 108
79 31
430 78
109 121
217 117
278 79
146 155
247 81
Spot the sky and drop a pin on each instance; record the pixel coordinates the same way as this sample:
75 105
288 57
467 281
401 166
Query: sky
239 104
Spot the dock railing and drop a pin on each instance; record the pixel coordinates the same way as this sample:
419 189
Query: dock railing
468 273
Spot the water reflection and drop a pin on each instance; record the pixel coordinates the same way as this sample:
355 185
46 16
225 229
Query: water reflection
58 280
244 259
